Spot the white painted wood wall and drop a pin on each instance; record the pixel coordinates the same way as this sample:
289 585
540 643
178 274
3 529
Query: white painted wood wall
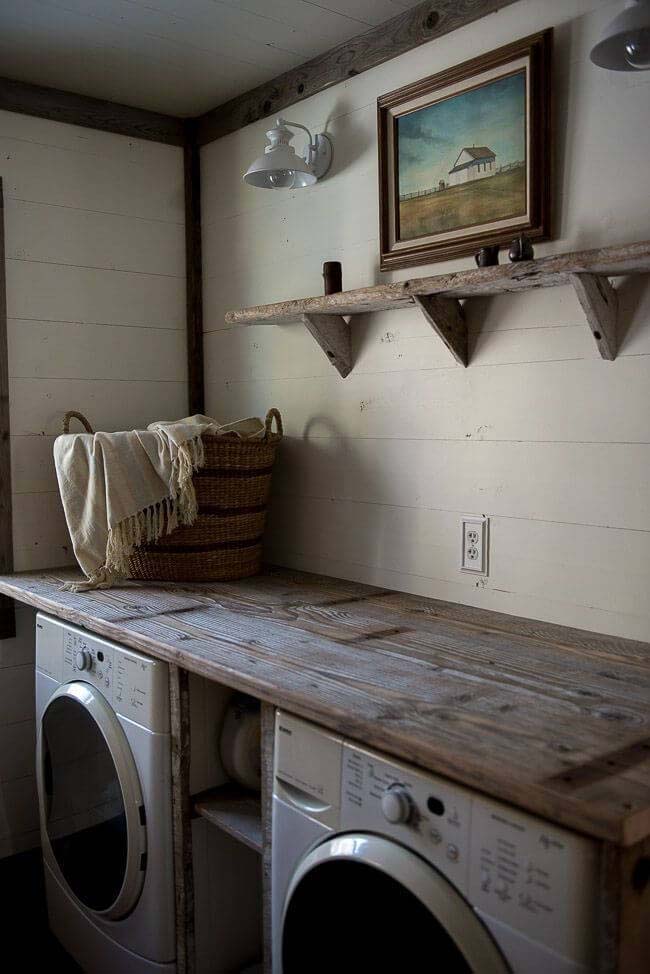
95 292
539 432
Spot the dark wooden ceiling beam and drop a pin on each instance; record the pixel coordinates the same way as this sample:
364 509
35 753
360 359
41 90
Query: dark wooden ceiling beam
429 20
95 113
193 273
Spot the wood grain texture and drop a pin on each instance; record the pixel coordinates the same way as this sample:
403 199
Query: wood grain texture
66 106
552 271
179 702
268 745
624 907
7 616
598 300
193 273
332 333
445 315
431 19
549 719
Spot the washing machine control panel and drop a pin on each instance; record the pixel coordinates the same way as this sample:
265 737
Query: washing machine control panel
88 658
537 878
433 818
136 686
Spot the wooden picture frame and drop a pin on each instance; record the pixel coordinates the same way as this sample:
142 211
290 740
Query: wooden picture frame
436 201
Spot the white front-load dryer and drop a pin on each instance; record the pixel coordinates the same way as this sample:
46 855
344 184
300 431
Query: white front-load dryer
104 787
379 867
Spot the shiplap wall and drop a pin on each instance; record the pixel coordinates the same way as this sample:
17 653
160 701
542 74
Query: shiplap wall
95 299
539 432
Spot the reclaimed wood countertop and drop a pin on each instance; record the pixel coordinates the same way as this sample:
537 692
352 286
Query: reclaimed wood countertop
553 720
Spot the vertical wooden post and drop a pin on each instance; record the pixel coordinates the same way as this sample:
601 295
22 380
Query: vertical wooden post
193 270
179 705
268 741
624 908
7 620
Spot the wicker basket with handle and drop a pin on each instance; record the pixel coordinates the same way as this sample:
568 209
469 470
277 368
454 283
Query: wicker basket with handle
232 490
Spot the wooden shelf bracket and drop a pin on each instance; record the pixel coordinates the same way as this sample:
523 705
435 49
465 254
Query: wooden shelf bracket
600 305
332 332
445 315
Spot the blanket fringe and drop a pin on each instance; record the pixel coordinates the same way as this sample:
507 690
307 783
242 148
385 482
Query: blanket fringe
102 578
148 525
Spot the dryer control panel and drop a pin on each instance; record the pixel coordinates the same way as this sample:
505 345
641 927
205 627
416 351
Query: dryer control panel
135 685
435 818
536 877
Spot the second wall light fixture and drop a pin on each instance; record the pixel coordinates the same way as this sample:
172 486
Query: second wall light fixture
280 166
625 44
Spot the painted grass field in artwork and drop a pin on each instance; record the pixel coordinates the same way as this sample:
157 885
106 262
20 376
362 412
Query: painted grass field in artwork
498 197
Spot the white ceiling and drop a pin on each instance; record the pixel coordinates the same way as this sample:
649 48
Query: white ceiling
180 57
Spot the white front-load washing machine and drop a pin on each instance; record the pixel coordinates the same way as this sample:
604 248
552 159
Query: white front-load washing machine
379 867
104 785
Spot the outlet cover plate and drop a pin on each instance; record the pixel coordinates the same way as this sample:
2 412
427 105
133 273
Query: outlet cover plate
474 544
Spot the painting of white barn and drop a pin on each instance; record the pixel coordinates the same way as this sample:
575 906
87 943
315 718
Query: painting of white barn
472 162
461 161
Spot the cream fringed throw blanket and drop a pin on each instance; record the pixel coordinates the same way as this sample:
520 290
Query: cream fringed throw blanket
120 490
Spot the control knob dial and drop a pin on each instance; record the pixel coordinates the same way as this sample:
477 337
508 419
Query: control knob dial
397 805
83 659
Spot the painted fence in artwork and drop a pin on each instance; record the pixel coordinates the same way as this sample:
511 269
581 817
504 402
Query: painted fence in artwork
442 185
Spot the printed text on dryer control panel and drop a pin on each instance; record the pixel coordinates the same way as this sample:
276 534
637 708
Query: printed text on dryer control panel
133 687
538 878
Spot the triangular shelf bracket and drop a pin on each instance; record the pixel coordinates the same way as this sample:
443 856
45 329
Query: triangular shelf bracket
600 305
332 332
445 315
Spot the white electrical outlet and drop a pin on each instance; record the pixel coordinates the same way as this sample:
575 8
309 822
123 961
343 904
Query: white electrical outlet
474 539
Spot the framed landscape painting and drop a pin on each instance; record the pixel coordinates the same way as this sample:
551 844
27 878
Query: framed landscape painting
465 156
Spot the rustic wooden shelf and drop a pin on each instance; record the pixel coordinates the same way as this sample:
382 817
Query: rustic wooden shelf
235 811
439 297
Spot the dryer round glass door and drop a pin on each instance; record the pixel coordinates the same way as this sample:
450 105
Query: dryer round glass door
92 815
363 903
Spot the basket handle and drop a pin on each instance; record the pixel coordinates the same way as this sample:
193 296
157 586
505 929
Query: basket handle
273 414
74 415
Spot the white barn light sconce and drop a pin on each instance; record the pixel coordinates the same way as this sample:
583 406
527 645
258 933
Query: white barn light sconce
280 166
625 44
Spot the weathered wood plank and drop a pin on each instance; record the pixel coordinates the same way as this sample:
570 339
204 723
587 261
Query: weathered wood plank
7 615
193 272
552 720
179 703
553 271
445 316
431 19
66 106
624 906
599 302
268 743
332 333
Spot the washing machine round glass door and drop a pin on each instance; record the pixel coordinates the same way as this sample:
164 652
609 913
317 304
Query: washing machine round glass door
92 812
361 902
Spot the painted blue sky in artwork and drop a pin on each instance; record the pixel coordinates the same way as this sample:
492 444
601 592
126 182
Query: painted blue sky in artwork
430 139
